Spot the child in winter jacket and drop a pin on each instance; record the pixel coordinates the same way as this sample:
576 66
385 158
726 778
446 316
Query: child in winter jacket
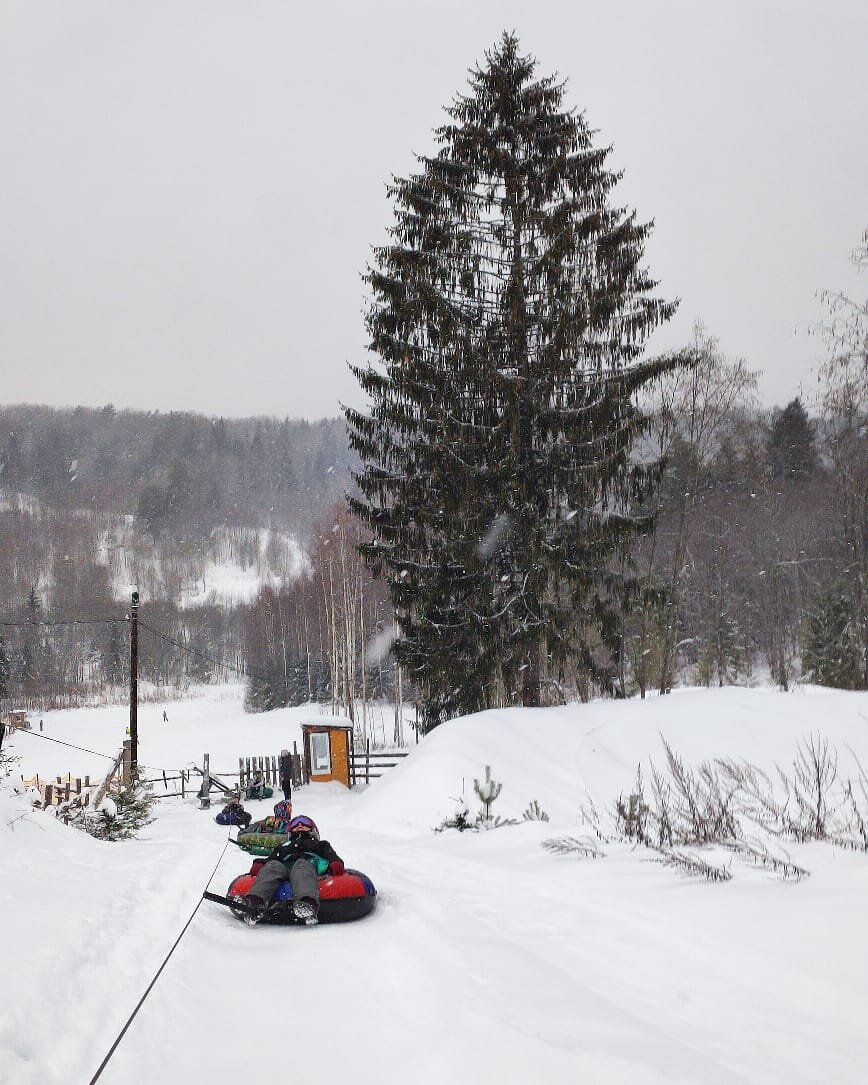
233 813
302 858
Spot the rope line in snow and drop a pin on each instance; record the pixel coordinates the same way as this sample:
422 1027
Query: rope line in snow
150 986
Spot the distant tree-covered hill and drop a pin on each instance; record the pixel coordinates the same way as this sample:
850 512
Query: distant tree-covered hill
178 473
198 514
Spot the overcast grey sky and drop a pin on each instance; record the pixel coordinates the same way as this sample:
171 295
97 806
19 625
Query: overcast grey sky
190 188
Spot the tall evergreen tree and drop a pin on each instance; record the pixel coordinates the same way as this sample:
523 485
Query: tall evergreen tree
791 450
509 316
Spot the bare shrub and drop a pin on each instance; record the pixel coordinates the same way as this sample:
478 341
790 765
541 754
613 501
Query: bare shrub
757 852
590 816
692 864
703 801
815 772
573 845
713 803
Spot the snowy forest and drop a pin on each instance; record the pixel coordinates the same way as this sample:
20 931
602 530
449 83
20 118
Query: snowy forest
530 511
752 550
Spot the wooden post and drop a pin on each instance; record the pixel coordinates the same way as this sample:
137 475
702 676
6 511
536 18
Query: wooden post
368 761
134 682
206 782
78 785
104 786
128 763
183 783
240 777
49 796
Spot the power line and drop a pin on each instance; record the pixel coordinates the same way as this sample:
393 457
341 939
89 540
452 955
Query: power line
84 749
213 660
26 623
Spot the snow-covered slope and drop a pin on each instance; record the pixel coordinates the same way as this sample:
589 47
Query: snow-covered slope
488 958
235 566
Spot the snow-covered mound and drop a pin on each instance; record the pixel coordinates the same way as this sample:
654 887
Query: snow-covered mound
560 756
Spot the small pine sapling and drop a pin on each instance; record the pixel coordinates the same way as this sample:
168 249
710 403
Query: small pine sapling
121 817
459 820
631 814
486 792
535 812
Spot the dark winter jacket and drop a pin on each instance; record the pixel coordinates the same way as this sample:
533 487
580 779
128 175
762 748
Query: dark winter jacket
303 846
286 769
233 814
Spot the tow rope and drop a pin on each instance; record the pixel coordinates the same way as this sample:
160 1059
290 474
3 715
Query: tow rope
148 989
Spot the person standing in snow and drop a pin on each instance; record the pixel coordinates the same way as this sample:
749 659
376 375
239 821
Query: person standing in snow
301 859
286 774
165 717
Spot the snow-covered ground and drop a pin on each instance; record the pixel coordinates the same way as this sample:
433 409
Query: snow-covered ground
488 958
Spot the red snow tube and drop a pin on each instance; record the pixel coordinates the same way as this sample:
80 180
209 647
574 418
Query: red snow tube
342 897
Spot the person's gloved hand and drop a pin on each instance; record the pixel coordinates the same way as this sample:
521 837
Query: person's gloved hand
336 866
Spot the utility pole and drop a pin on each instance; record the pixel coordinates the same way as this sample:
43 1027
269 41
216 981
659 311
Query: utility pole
134 683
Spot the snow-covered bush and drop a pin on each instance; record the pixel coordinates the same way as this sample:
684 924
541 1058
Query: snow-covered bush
121 815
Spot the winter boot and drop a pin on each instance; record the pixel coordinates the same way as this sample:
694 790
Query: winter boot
254 911
305 910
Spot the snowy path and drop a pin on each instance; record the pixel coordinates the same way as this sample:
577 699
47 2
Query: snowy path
450 977
487 959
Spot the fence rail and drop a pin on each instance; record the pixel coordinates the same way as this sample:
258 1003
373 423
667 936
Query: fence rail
269 769
367 764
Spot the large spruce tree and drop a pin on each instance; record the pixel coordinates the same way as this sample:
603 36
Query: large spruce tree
508 320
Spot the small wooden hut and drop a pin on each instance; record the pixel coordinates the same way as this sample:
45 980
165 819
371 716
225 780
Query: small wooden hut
327 747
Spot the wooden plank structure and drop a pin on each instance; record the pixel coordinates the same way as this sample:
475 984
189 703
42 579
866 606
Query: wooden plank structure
211 782
367 765
60 788
18 720
327 750
63 789
180 782
269 767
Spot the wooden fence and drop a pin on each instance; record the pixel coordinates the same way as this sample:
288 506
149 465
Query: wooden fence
367 765
180 782
81 791
60 789
207 781
269 767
